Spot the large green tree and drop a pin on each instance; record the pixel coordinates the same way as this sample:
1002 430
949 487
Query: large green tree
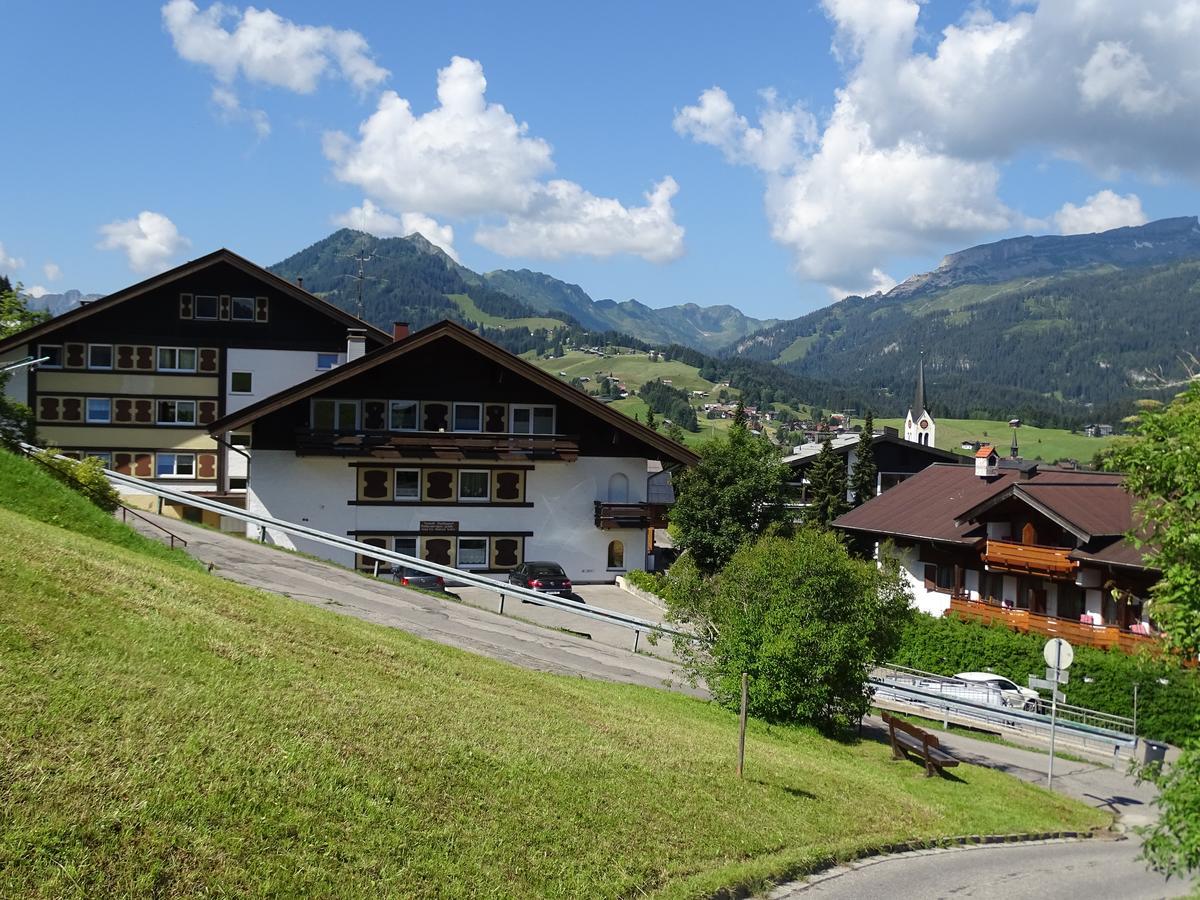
865 472
801 616
16 419
826 487
735 492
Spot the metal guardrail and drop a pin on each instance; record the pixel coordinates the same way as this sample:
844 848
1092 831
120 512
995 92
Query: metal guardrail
268 523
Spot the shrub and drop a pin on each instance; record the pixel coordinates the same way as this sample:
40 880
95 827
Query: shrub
86 476
647 581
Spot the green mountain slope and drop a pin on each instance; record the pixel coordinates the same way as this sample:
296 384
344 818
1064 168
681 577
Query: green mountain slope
1005 334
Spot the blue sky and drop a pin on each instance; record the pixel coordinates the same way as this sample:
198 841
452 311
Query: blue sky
635 153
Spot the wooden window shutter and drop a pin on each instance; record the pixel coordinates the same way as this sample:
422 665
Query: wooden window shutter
206 411
49 409
207 360
374 484
123 410
72 409
508 486
143 465
206 465
506 552
74 356
438 550
185 306
439 484
224 307
260 309
495 418
123 463
124 359
144 359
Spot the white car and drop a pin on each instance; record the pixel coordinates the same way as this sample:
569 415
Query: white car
1011 693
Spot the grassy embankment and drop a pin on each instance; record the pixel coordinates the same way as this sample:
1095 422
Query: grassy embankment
167 732
1049 444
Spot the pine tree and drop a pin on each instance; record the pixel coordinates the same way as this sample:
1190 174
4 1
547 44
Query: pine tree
866 473
739 415
650 423
826 487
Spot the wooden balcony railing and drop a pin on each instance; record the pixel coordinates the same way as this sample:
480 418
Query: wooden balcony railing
1029 559
630 515
1106 637
448 445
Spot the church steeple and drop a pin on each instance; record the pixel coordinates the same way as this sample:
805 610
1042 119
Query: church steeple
918 406
919 426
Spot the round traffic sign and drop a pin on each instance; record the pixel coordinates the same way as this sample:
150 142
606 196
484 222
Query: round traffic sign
1058 654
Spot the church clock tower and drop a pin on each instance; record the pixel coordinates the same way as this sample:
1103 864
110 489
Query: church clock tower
919 426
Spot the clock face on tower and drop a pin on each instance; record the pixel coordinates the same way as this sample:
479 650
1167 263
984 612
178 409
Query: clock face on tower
924 424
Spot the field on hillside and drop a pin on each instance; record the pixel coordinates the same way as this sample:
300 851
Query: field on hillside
166 732
635 369
1048 444
468 308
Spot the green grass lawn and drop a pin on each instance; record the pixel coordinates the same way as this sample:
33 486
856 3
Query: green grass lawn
635 369
1049 444
166 732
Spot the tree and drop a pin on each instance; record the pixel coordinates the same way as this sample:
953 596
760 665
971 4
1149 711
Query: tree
1172 843
736 491
826 487
675 433
1162 466
16 419
801 616
866 473
650 423
739 414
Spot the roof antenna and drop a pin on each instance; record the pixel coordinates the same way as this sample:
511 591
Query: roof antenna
361 275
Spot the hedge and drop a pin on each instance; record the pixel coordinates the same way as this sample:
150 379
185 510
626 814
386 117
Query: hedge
1168 712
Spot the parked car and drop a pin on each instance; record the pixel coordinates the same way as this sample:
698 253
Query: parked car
546 577
416 578
1011 693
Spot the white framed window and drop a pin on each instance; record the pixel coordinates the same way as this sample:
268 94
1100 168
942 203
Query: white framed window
531 419
99 410
468 417
408 484
326 361
177 359
474 485
100 356
241 382
206 307
241 309
406 545
403 415
176 412
472 553
175 465
334 415
55 354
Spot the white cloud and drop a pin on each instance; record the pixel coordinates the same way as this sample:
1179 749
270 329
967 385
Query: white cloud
771 147
370 218
1100 212
9 263
148 241
36 292
469 157
52 271
565 219
231 110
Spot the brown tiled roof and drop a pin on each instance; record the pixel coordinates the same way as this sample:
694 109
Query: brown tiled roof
1098 509
985 451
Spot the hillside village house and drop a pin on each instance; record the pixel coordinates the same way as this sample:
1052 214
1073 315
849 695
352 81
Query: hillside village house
137 377
1037 548
444 446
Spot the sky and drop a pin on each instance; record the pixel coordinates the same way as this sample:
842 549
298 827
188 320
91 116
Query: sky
774 156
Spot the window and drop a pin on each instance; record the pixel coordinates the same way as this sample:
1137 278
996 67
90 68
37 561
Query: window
241 382
242 309
103 455
238 484
176 412
474 486
326 361
99 409
206 307
408 484
240 438
533 420
335 415
468 417
54 354
177 359
100 356
940 577
472 553
176 465
616 555
406 546
402 415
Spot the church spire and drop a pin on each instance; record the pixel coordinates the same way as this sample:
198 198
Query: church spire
918 406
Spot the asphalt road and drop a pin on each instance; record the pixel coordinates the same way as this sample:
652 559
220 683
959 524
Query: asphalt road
527 635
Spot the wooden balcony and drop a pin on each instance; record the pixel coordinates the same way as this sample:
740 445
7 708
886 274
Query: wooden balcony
1029 559
448 445
630 515
1106 637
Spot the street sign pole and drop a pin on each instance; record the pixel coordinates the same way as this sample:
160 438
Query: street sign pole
1058 655
1053 718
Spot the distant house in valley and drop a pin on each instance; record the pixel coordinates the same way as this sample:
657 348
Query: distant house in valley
444 446
137 377
1036 548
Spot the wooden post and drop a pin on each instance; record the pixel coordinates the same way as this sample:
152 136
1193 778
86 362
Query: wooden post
742 728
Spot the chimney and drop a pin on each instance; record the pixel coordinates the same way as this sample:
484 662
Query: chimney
986 462
399 331
356 343
300 281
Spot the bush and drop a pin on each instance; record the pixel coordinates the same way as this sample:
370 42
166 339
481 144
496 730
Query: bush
1168 712
648 581
805 619
86 476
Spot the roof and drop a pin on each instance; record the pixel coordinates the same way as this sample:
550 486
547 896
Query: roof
188 268
844 443
985 451
454 331
1087 504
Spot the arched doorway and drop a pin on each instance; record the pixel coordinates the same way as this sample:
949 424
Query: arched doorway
616 555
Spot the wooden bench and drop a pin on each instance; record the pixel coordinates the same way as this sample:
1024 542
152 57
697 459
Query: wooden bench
911 739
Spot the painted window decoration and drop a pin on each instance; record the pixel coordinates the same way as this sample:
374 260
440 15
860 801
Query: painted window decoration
509 486
408 484
374 484
472 553
468 417
374 415
76 356
100 356
99 410
438 550
241 309
435 416
616 555
474 485
402 415
176 412
205 306
176 359
439 484
495 418
506 552
241 382
175 465
326 361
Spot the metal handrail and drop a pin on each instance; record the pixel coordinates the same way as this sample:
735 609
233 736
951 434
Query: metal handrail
268 523
174 537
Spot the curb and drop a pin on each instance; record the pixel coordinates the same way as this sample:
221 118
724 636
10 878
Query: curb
787 884
626 585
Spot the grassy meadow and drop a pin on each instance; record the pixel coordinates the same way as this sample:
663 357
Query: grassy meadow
1048 444
166 732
